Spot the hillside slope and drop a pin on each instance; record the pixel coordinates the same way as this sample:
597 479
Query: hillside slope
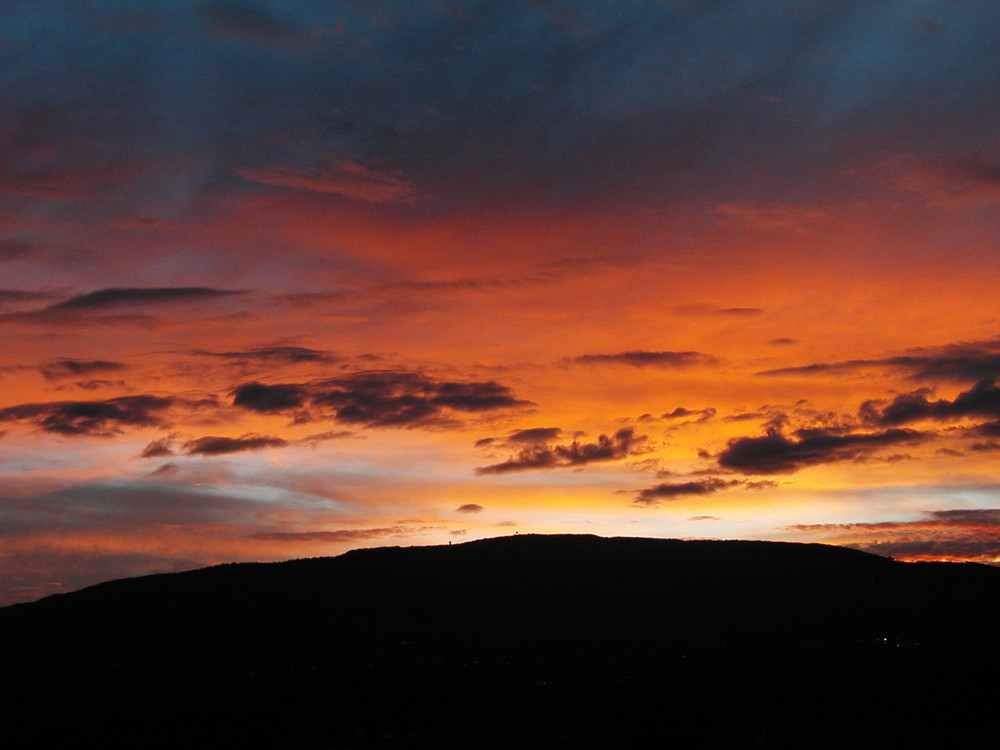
555 641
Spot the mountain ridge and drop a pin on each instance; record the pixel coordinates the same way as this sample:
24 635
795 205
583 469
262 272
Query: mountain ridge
572 639
390 549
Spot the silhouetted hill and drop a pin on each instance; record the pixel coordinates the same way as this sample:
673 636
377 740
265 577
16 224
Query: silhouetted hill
524 641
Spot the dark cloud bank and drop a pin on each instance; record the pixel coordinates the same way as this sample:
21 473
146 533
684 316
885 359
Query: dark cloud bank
775 453
534 451
99 418
982 400
369 399
879 423
382 398
962 363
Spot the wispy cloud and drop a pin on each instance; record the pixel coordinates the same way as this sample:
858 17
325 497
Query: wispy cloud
339 177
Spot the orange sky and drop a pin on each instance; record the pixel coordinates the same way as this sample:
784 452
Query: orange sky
646 282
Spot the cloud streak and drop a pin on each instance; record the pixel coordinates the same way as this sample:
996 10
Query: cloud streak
71 368
672 491
713 310
287 355
965 534
115 297
961 363
340 177
647 359
11 250
342 535
117 304
218 446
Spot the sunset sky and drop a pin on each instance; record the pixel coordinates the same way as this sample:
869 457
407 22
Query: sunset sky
287 277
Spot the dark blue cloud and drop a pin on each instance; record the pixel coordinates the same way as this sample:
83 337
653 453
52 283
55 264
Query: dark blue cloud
578 100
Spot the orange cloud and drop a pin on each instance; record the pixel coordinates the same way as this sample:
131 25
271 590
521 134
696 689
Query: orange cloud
339 177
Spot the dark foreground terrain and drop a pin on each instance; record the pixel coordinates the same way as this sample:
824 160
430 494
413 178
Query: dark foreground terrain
525 641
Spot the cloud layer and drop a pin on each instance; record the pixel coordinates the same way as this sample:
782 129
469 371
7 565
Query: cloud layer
292 277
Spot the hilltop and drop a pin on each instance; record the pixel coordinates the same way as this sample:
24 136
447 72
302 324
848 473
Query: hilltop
556 641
